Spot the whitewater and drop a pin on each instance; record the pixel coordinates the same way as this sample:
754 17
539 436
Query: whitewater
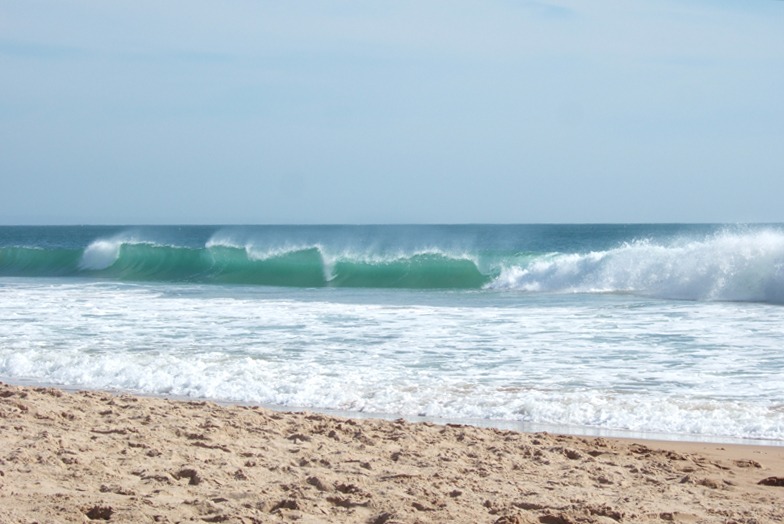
669 331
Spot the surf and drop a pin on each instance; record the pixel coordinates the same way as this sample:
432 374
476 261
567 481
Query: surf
726 266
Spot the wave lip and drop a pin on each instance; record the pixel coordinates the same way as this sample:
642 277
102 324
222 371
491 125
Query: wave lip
100 254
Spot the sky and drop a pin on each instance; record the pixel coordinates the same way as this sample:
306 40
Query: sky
302 112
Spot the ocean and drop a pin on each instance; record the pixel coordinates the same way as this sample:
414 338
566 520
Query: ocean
660 331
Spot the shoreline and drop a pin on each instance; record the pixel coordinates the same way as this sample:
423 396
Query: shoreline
82 456
505 425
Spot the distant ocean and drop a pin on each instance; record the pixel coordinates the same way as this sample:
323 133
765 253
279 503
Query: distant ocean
672 331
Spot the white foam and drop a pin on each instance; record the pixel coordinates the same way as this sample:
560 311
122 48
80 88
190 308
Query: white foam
100 254
727 266
604 361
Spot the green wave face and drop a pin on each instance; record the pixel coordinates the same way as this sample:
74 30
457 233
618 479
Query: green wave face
304 267
35 262
218 264
301 268
157 263
418 271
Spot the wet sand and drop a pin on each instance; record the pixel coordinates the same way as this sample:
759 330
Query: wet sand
94 456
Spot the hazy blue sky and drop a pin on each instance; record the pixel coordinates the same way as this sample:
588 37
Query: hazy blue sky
249 111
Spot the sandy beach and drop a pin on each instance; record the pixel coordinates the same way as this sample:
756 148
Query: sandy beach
94 456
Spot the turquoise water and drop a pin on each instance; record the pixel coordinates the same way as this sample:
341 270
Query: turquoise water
671 330
316 256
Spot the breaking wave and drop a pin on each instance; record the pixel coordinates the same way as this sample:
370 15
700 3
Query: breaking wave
730 266
305 266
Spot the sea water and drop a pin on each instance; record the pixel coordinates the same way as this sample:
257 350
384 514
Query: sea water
674 331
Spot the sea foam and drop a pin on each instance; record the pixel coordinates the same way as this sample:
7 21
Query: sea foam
608 362
727 266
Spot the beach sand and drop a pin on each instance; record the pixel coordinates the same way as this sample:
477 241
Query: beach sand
94 456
